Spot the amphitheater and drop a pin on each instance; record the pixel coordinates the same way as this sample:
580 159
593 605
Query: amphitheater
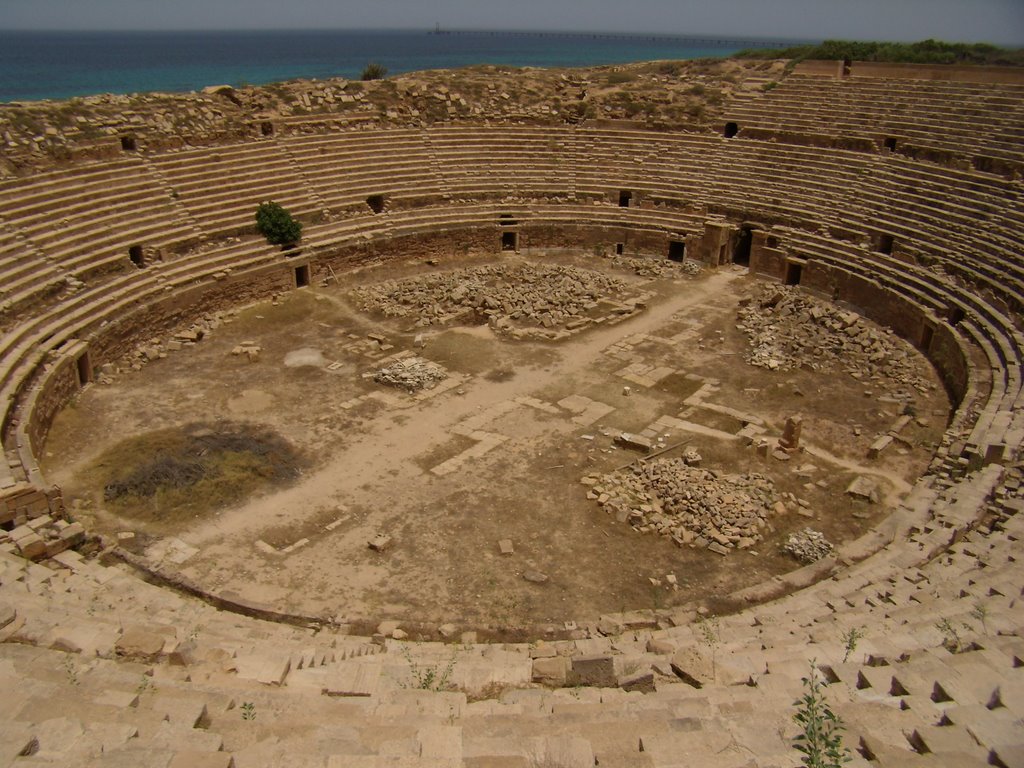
885 198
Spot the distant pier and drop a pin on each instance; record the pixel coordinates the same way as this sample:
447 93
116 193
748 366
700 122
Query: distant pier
645 38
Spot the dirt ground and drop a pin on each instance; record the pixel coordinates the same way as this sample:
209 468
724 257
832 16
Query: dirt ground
493 457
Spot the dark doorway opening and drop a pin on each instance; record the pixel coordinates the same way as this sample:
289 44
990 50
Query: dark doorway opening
376 203
885 243
731 129
794 271
676 250
926 336
890 143
619 248
128 144
509 241
302 276
625 198
956 314
771 242
84 365
267 129
741 252
136 255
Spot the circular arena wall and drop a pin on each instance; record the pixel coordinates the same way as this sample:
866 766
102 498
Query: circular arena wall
914 231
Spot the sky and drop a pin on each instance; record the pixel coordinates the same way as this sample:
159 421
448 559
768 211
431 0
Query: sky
996 21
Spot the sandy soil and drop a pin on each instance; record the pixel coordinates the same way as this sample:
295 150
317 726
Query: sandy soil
381 459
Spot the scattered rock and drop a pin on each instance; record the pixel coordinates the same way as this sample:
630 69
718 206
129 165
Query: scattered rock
513 298
411 374
790 329
535 577
379 543
693 506
808 546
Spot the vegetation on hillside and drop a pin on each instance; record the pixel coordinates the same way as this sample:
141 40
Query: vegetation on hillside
923 52
374 71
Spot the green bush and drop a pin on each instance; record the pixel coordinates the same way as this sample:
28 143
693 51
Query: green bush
277 225
374 71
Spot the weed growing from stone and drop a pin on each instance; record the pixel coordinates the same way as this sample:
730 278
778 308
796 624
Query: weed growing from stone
821 741
850 639
429 678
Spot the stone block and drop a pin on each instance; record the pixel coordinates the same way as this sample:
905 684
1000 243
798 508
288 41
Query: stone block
597 671
552 670
642 681
139 643
31 547
660 646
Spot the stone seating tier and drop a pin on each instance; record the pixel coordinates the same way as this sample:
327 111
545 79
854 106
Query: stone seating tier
164 686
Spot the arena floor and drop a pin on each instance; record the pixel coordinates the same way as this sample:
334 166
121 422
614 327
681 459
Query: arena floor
495 452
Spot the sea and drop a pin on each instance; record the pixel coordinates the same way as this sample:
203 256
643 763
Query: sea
60 65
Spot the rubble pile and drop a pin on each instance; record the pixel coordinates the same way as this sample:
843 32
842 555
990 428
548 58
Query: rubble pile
42 537
808 546
790 329
411 374
656 267
698 507
504 295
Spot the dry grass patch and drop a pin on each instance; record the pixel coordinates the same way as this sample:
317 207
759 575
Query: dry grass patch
181 473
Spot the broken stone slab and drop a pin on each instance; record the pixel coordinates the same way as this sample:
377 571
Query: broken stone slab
642 681
864 488
505 547
693 666
447 631
140 644
608 626
535 577
634 442
879 446
379 543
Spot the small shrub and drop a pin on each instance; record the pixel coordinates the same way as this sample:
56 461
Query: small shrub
850 639
770 85
248 710
277 225
951 635
432 678
980 612
374 71
821 742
